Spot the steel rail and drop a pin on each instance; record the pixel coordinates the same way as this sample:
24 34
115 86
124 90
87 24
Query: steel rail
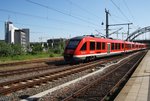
15 63
47 77
114 91
85 88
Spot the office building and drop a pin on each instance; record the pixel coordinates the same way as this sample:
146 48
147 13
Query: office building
9 32
14 35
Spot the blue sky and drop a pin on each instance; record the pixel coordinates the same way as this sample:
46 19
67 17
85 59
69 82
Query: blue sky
68 18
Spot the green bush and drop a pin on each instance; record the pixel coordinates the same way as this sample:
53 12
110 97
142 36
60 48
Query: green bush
17 52
10 49
37 48
51 55
17 49
5 49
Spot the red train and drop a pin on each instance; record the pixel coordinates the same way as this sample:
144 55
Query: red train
90 47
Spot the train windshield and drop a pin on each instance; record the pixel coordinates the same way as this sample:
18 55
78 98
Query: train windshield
73 44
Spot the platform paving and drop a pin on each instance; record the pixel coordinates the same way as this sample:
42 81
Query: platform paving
138 87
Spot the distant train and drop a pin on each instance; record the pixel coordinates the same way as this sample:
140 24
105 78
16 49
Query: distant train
90 47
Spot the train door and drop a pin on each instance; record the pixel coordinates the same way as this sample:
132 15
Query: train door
108 47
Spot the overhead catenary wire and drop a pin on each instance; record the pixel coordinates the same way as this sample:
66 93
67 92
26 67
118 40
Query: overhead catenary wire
120 10
83 9
46 27
130 13
20 13
117 18
128 9
41 26
42 17
53 9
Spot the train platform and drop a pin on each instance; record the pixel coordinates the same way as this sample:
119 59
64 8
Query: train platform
138 86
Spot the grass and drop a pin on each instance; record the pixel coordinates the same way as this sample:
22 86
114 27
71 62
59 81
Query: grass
28 57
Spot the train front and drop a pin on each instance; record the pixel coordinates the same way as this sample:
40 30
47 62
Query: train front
71 48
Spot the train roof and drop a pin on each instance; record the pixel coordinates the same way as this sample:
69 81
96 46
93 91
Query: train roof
78 37
92 37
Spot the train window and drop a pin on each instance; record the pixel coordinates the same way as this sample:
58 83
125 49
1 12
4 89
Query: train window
127 46
116 46
122 45
98 45
103 45
92 45
83 47
130 46
73 44
112 46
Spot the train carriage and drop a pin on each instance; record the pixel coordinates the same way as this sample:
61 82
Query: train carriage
90 47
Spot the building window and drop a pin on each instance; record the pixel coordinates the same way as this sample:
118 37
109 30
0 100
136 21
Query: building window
98 46
83 48
92 45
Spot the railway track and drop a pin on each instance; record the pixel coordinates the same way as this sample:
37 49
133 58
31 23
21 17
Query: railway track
44 65
48 64
106 87
27 70
21 71
29 61
19 84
